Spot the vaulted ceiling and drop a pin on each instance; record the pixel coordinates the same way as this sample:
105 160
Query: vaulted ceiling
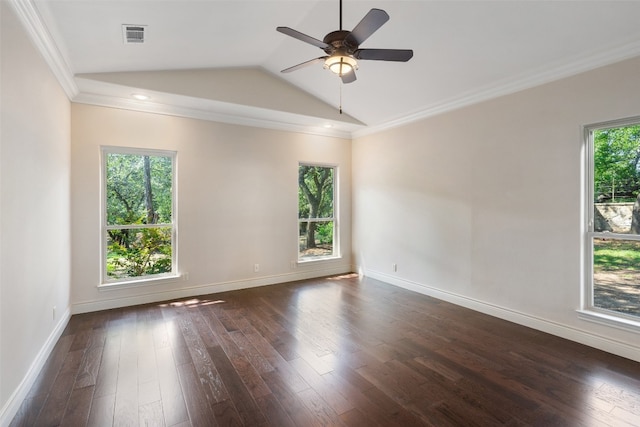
221 60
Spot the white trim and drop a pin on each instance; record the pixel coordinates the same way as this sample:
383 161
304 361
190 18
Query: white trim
141 281
587 309
243 116
30 18
610 320
337 251
529 80
42 39
592 340
21 392
211 288
302 261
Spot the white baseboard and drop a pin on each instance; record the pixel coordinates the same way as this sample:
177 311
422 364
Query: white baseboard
12 406
592 340
156 296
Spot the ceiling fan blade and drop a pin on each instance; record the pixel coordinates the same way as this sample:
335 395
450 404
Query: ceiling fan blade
303 37
401 55
367 26
304 64
349 77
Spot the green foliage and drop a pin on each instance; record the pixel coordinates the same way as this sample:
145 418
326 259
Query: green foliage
126 192
324 232
315 200
616 255
617 163
315 192
148 253
138 192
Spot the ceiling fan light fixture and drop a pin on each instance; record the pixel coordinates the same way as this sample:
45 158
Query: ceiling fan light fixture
341 64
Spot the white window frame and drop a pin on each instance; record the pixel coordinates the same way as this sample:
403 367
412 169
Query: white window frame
587 309
336 227
105 281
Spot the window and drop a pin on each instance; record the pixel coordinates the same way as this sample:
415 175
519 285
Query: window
613 229
138 225
316 212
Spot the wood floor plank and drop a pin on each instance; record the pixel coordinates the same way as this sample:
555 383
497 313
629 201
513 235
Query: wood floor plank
321 411
49 372
151 415
401 388
77 411
207 372
29 411
226 414
200 411
101 413
107 379
58 398
391 411
89 368
149 392
260 364
222 338
174 335
126 407
343 351
355 418
274 359
243 401
274 412
325 389
173 403
296 410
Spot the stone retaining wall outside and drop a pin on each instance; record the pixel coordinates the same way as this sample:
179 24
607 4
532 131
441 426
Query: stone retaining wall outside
614 217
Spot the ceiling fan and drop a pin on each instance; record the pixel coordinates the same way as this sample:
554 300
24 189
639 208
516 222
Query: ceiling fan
342 47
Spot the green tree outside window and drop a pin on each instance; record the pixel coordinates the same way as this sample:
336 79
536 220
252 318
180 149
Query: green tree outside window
139 215
316 216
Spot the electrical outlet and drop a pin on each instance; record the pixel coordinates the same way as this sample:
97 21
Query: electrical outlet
294 265
394 267
54 312
256 267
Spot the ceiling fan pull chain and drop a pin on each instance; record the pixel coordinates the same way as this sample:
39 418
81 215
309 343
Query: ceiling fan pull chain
340 107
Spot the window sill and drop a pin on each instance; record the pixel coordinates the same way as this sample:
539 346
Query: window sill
140 282
312 260
612 320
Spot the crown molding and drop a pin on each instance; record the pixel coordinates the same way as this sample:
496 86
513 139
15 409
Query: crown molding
28 14
249 116
532 78
180 106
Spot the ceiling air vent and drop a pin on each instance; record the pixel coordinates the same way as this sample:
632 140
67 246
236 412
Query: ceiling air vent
133 33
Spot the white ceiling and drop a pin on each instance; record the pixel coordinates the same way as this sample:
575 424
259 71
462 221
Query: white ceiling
464 52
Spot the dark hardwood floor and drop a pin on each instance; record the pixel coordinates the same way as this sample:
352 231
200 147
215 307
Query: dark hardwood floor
326 352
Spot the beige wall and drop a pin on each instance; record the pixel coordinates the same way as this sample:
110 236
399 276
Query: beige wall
455 201
34 211
237 202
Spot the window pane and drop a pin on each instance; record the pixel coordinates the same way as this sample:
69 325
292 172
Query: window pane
138 252
316 239
616 172
138 189
315 192
616 275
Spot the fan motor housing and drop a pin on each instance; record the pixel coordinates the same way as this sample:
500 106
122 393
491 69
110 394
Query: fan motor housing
336 41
